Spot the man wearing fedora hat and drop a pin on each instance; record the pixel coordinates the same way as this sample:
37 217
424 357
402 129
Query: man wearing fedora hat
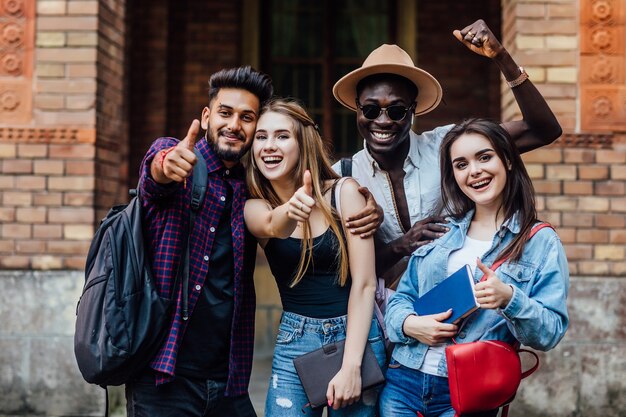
401 168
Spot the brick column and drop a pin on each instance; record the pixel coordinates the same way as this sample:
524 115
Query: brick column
111 159
47 150
602 62
63 151
55 135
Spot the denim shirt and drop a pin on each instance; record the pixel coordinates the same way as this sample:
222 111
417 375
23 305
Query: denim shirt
422 182
536 315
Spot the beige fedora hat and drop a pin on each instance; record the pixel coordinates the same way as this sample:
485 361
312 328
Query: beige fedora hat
390 59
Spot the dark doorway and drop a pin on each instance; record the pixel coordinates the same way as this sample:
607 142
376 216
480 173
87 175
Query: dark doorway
308 45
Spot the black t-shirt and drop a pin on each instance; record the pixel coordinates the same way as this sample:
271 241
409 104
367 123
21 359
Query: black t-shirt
205 348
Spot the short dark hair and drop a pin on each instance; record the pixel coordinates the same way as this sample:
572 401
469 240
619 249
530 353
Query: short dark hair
375 78
244 78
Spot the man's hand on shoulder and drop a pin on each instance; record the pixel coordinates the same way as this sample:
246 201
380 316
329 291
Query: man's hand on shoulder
367 221
176 163
420 234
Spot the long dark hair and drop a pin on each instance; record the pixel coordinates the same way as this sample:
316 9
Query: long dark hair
518 195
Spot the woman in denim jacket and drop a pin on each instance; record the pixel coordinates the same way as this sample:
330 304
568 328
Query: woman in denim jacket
490 195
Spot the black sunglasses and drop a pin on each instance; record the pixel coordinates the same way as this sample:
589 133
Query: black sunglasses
396 112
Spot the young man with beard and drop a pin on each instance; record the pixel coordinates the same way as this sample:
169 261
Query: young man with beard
401 168
204 365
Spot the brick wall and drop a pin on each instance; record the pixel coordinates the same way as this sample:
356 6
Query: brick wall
200 50
62 122
171 62
47 144
602 54
582 191
580 180
543 38
469 81
111 159
148 74
64 156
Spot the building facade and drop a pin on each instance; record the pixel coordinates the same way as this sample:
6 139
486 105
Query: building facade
86 85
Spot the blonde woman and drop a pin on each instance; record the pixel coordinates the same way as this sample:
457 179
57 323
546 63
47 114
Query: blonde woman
326 278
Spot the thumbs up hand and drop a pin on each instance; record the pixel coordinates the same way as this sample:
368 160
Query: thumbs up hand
189 142
301 203
492 293
176 164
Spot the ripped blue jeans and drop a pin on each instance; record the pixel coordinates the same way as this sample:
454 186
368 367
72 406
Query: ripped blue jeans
298 335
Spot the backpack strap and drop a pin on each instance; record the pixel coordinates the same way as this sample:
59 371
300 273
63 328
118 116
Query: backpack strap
346 167
335 197
198 191
199 181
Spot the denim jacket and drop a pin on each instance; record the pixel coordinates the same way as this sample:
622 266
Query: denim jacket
535 316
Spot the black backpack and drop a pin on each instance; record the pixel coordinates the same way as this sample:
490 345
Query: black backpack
121 321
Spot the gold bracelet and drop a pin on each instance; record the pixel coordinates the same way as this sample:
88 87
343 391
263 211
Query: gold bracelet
523 76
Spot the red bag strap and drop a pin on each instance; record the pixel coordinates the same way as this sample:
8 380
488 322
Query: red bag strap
532 368
505 408
532 233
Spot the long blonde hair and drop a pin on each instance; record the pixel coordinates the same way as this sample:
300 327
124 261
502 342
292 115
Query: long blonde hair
314 157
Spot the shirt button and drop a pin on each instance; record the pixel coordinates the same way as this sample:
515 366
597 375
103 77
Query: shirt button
227 172
198 287
462 335
222 198
206 257
212 229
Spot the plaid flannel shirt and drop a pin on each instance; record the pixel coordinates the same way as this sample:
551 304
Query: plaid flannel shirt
166 217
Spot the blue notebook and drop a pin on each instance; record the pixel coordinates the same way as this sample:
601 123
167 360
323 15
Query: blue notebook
455 292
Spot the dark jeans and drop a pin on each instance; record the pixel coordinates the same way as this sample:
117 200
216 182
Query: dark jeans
184 397
409 392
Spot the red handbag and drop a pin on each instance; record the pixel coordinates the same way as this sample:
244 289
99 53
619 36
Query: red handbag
485 375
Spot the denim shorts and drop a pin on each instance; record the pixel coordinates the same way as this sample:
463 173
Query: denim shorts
298 335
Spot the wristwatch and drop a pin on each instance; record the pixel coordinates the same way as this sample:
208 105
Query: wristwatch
523 76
